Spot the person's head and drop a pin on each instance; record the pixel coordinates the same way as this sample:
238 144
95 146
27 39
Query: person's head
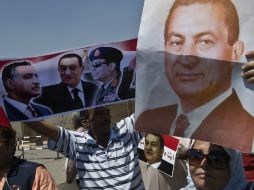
105 63
7 141
100 121
209 165
70 67
7 146
154 147
81 119
21 81
201 41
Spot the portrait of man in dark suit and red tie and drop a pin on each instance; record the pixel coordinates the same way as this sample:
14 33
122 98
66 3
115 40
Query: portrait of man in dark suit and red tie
201 45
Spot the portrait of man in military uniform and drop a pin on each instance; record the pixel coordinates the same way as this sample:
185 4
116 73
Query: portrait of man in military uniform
105 68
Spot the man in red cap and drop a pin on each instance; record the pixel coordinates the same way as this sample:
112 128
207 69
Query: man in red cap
16 173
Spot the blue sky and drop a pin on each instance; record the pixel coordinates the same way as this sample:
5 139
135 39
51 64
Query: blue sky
31 27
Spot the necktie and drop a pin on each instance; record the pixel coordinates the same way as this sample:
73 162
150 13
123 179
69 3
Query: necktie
32 111
182 123
77 101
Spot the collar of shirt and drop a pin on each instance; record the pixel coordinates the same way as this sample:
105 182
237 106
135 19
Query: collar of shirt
155 165
80 88
114 134
19 105
199 114
107 84
90 138
28 113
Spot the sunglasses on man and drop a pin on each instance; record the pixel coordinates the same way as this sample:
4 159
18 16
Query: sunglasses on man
216 159
96 64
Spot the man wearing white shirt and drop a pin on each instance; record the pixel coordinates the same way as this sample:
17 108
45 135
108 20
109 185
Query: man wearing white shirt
200 49
21 83
106 156
71 93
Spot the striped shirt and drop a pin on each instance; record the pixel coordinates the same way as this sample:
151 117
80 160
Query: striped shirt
114 167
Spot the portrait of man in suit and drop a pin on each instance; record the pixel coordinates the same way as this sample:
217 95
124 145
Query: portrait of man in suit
72 92
156 172
153 150
201 44
22 84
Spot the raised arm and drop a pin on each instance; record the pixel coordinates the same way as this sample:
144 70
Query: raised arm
45 128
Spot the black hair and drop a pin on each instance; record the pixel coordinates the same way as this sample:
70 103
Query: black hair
71 55
231 16
160 139
79 117
8 71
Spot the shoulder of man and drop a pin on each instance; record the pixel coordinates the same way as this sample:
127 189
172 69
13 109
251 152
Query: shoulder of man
41 109
53 87
126 124
22 173
19 161
87 83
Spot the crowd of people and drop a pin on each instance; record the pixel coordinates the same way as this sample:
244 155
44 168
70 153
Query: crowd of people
108 158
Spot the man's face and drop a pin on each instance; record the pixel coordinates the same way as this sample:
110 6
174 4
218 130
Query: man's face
25 83
152 150
70 71
100 122
205 176
198 31
100 70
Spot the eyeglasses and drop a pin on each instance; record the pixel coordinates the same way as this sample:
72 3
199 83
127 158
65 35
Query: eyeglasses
215 159
97 64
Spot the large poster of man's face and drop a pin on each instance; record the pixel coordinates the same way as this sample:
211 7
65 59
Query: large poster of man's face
37 87
188 75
